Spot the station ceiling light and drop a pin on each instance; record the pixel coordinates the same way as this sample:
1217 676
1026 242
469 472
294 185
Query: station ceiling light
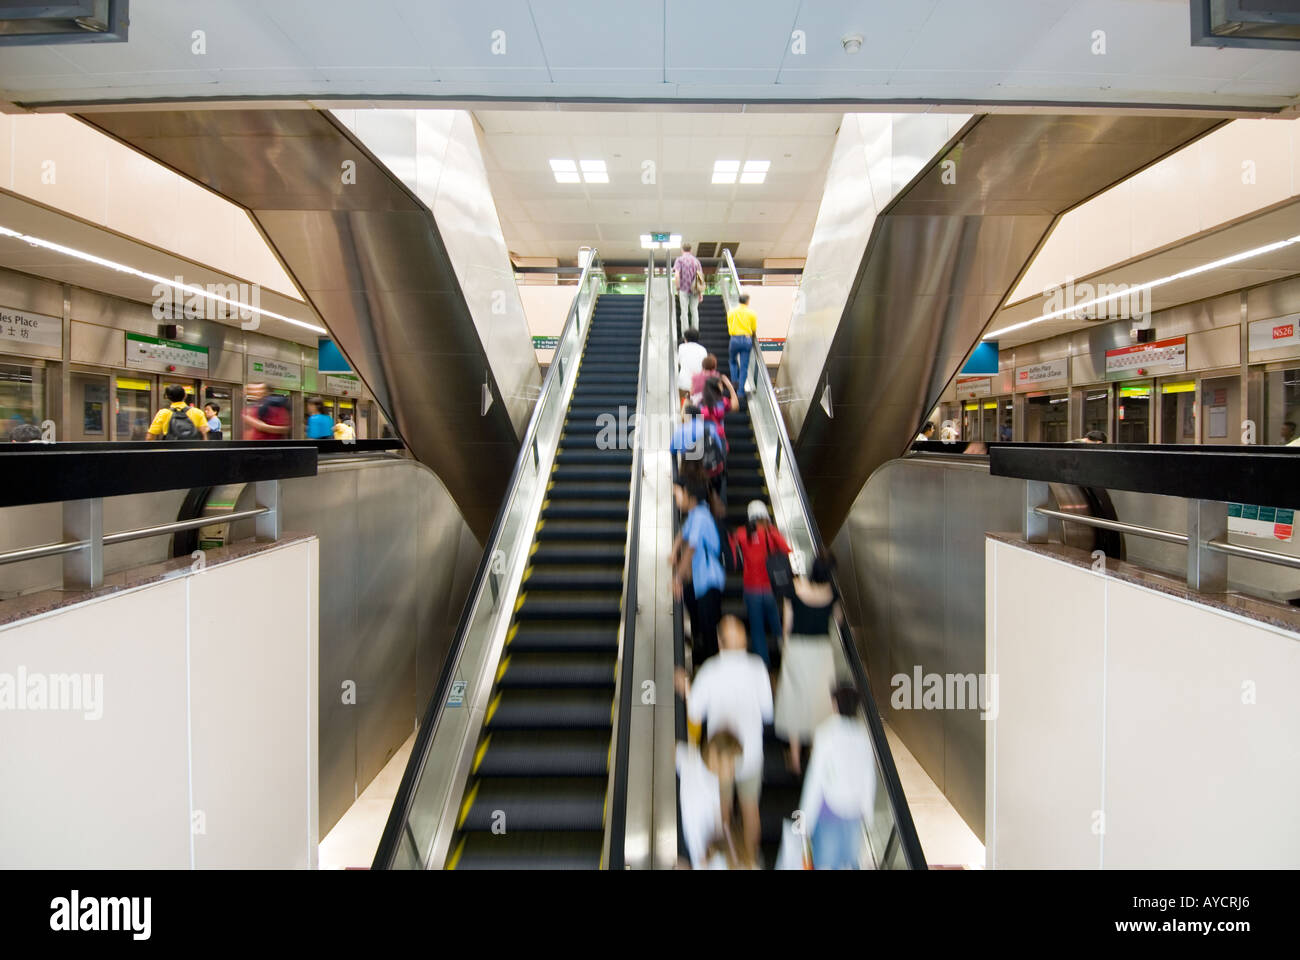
152 277
593 171
755 171
724 171
566 171
1128 291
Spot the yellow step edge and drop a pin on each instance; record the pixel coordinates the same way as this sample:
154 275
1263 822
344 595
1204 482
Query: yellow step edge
455 857
492 709
465 807
481 752
520 602
505 665
510 634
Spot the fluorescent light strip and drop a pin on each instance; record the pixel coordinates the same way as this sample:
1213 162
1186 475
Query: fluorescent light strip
123 268
1138 288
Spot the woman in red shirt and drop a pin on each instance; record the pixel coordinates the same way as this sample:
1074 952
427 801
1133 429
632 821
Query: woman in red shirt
757 540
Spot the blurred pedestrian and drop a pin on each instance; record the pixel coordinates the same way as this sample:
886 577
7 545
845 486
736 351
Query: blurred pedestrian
320 425
803 692
696 557
732 691
690 362
742 324
701 773
759 540
266 414
689 283
839 789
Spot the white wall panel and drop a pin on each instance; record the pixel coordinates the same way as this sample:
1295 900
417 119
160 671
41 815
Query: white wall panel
1173 719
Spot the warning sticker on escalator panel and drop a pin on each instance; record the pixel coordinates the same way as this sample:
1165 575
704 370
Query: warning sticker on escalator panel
1256 521
457 696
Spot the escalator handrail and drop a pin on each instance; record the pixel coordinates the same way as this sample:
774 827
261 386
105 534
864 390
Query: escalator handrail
622 757
398 818
911 843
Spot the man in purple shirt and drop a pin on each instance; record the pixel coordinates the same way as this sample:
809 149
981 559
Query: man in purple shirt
686 269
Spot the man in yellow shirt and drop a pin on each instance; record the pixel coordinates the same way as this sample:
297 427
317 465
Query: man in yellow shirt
742 324
178 420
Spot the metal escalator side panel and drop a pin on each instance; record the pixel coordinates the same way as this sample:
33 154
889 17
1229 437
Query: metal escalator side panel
941 261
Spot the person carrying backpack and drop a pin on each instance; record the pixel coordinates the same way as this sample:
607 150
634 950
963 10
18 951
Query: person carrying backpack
178 420
697 557
765 574
270 419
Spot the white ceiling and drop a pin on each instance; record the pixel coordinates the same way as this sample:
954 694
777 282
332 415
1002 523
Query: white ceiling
1279 223
543 218
950 51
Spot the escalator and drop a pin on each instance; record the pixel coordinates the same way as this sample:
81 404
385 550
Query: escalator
746 482
761 465
536 794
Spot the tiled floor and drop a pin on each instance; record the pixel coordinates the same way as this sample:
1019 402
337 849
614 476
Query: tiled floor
945 838
354 839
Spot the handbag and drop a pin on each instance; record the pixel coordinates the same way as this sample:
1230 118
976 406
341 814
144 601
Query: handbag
779 573
697 285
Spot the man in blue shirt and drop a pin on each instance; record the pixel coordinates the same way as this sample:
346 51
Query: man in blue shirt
320 425
697 556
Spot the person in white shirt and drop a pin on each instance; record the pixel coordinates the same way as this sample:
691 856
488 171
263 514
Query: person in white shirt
839 788
690 361
732 691
927 432
701 774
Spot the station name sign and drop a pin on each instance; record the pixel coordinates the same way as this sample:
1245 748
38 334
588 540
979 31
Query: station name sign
1048 373
164 356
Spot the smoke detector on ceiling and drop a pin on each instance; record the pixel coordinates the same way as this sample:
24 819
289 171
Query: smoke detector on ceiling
852 44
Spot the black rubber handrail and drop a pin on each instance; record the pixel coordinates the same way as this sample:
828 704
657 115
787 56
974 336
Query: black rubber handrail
626 693
907 836
397 829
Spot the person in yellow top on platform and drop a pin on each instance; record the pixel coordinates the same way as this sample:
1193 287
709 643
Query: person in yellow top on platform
178 420
742 324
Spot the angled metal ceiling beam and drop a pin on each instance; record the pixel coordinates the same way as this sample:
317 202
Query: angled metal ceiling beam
941 260
368 256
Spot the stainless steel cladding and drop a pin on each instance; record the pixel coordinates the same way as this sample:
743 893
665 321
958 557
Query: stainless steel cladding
941 261
369 257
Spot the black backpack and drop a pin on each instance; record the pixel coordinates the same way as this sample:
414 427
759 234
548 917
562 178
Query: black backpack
779 572
713 456
180 427
733 561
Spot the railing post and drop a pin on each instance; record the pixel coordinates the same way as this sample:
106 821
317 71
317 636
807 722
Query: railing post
84 520
1207 570
1037 494
267 526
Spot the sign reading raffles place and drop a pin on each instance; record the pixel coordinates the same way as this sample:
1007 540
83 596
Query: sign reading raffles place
164 356
969 387
1147 359
1271 334
339 385
20 331
275 373
1048 373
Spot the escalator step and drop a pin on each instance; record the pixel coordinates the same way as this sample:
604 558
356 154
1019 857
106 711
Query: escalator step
571 803
556 671
529 851
559 635
590 491
582 530
560 753
557 577
544 605
553 709
557 509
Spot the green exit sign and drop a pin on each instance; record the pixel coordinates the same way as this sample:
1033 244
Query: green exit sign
660 237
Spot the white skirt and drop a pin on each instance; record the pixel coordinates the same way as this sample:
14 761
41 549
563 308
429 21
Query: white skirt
803 691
